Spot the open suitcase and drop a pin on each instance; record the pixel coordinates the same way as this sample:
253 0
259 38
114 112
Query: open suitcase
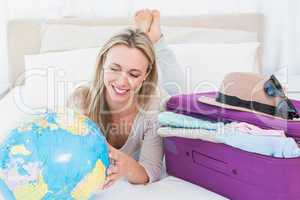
233 173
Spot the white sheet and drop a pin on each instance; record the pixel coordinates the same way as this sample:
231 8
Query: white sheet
13 109
169 188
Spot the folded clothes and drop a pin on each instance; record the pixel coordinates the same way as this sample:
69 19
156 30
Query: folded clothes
192 133
243 136
254 130
281 147
184 121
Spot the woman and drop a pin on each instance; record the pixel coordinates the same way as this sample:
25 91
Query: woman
122 99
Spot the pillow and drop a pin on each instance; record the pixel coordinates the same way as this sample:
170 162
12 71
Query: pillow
61 37
75 65
55 75
205 65
182 35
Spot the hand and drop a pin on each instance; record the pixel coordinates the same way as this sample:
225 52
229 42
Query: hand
118 167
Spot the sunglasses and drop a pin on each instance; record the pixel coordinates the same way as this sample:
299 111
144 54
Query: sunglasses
284 108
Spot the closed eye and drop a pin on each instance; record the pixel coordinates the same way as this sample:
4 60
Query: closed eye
134 75
114 68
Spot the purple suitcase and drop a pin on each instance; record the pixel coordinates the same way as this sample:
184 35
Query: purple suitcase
233 173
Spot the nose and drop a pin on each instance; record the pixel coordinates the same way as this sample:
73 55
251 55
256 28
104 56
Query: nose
123 79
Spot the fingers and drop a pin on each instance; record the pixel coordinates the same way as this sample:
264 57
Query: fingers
113 155
112 177
112 170
112 150
110 180
108 184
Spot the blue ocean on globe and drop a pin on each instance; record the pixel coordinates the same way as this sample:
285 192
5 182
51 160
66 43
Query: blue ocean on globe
61 156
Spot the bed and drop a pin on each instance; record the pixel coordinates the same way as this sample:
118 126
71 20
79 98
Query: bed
27 37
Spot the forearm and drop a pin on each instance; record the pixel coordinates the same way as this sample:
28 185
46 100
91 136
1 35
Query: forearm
171 74
136 173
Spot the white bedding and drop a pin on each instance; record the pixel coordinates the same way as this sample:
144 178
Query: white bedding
168 188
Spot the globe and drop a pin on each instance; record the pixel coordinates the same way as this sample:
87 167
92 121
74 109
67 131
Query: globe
54 155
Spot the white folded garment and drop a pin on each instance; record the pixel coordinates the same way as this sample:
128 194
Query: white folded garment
203 134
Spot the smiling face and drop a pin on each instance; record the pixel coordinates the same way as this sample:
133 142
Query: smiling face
125 69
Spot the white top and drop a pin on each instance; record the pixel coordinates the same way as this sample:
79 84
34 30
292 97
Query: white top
143 143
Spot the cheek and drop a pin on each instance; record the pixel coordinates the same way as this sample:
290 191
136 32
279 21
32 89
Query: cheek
137 82
107 78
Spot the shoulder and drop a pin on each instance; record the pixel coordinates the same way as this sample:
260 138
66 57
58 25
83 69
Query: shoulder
152 108
77 99
157 102
149 115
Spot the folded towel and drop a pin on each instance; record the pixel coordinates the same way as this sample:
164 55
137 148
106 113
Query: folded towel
281 147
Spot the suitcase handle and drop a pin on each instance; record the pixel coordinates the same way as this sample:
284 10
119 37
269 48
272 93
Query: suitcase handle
210 162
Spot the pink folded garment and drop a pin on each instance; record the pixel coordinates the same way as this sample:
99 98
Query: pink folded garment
254 130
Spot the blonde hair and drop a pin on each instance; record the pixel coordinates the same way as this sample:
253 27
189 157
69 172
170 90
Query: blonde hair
95 105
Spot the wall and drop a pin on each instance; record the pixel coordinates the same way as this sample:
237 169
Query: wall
282 19
3 47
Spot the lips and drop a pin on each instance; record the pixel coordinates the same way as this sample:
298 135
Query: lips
120 91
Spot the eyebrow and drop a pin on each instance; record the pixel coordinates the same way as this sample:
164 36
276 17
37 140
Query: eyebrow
131 70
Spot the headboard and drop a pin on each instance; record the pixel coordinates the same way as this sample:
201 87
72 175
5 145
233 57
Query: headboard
24 35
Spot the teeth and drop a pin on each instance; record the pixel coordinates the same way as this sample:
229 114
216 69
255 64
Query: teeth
120 91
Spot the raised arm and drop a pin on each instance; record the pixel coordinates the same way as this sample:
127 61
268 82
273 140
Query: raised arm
170 73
